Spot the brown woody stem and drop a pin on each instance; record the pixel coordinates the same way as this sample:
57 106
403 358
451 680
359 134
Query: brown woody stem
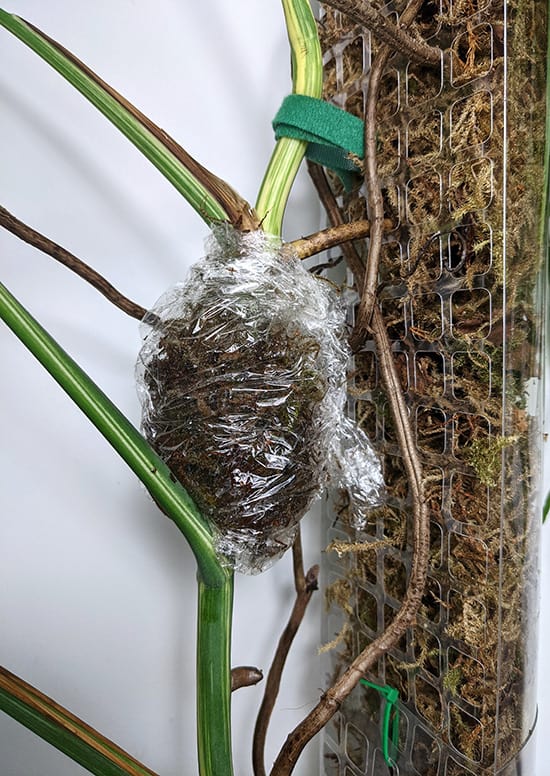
328 238
305 585
362 12
69 260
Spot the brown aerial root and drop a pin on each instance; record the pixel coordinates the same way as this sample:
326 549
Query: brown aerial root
305 585
72 262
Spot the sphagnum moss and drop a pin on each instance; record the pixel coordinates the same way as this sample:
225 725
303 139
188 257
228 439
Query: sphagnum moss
457 286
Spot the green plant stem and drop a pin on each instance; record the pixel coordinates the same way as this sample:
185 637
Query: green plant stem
215 608
117 429
307 78
154 145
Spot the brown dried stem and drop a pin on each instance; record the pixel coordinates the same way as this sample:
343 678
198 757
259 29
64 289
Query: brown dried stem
305 585
362 12
328 238
69 260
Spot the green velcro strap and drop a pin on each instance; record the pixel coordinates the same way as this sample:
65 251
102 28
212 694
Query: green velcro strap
335 138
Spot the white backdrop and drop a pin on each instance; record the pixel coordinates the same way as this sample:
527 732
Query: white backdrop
97 590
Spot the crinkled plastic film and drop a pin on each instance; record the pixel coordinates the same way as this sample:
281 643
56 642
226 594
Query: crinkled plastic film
242 379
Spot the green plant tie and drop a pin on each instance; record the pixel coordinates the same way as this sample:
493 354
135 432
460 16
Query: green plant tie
335 138
391 696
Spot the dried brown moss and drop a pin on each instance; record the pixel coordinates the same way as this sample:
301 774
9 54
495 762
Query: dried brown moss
457 286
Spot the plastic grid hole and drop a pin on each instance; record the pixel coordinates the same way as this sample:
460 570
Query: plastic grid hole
366 609
470 249
472 54
427 652
467 618
431 431
397 676
365 566
357 746
388 151
436 545
395 578
391 269
465 677
331 762
350 60
473 7
430 608
467 429
471 120
389 101
394 311
365 373
428 256
426 752
468 558
465 733
469 499
395 527
422 83
471 375
453 768
471 314
471 187
427 317
394 478
428 19
366 418
424 138
421 208
429 373
433 491
429 703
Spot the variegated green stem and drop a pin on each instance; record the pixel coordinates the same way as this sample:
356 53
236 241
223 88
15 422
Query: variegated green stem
214 679
63 730
213 199
307 78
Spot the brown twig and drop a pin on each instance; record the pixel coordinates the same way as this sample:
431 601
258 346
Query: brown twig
69 260
305 585
328 238
362 12
245 676
375 199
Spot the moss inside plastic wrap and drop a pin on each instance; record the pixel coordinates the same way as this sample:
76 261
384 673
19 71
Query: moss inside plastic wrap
242 377
460 156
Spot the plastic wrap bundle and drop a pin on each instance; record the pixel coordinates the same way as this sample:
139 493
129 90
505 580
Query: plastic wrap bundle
242 379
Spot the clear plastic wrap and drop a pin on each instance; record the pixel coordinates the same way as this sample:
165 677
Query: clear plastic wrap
242 380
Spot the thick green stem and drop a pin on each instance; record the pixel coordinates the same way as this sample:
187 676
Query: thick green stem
307 78
214 678
117 429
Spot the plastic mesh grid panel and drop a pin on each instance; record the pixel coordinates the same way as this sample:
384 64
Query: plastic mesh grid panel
462 184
